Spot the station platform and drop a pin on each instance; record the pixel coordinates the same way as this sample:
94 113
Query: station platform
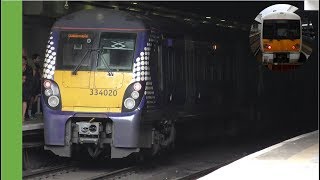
31 125
294 159
32 132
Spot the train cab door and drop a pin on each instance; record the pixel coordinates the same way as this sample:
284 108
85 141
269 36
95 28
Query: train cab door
113 68
73 71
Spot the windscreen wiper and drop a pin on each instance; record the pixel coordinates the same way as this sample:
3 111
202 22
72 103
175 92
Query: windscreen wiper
74 72
110 73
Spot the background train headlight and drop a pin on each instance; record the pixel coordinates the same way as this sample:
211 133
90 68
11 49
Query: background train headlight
296 47
135 95
48 92
53 101
267 46
129 103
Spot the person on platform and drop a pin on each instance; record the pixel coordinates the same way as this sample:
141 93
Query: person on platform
36 90
27 76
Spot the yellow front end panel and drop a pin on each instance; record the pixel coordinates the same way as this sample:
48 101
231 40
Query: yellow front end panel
81 80
90 91
283 45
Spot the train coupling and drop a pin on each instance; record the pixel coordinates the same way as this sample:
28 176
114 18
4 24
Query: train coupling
89 132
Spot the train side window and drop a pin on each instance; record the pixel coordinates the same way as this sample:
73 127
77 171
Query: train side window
160 68
171 61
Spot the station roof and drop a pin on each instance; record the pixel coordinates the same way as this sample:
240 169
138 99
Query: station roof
228 14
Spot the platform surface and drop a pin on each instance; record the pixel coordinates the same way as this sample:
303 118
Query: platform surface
294 159
35 124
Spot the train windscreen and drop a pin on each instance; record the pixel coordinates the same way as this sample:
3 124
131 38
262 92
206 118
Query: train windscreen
116 51
281 29
74 50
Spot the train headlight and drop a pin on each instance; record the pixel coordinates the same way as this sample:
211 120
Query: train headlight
48 92
129 103
135 95
53 101
267 46
137 86
47 84
51 94
296 46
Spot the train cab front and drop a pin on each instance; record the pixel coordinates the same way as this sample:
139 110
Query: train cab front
91 99
281 40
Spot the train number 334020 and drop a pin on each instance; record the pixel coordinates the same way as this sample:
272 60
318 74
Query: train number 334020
103 92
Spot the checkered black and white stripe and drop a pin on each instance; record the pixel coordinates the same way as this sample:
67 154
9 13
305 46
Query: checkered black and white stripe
50 59
141 68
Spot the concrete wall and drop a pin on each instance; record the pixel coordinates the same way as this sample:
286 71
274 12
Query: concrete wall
38 18
35 34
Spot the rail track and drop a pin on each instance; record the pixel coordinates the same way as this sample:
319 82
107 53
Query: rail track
114 174
38 173
57 171
182 164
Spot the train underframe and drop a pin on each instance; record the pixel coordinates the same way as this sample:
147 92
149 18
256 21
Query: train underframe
280 57
113 137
